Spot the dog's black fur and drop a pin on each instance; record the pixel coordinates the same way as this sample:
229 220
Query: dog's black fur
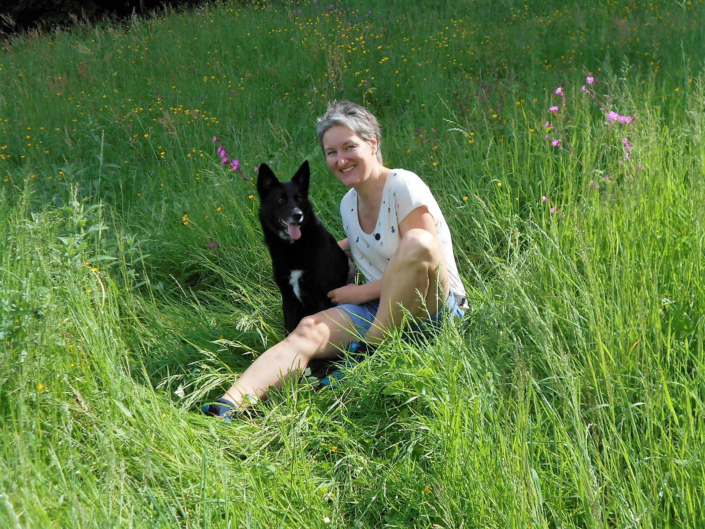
298 242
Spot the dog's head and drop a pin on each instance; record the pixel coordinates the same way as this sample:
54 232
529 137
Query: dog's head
284 207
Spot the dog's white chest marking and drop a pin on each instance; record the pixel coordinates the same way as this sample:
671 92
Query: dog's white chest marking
294 279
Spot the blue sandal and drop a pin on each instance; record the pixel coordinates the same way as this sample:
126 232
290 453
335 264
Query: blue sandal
221 408
359 351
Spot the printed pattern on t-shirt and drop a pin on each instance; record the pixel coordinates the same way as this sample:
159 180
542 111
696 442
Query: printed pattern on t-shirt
403 192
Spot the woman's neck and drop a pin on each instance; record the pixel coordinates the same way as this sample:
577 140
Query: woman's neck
371 189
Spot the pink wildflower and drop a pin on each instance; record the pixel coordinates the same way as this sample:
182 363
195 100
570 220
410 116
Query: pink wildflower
583 89
548 125
590 79
612 116
559 91
553 210
556 143
553 109
543 198
235 164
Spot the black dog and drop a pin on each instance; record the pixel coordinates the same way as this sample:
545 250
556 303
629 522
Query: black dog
307 261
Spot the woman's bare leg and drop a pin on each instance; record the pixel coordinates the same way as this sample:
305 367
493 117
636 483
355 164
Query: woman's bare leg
415 279
322 335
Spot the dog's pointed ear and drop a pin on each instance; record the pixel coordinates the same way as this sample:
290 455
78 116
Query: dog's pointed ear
302 177
266 180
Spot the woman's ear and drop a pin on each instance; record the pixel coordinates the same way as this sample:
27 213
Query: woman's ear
373 144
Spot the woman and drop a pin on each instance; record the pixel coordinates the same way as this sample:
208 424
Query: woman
398 239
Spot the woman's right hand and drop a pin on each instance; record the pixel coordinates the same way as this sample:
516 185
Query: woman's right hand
355 294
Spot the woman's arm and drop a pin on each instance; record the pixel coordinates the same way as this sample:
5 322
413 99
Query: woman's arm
345 246
356 294
420 218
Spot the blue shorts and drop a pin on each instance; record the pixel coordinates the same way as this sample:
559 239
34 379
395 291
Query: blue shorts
363 315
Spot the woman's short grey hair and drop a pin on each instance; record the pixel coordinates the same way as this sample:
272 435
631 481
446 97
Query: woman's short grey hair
358 119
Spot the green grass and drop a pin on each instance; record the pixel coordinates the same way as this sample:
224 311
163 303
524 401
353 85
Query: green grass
134 285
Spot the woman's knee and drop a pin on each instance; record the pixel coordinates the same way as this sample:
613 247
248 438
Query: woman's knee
309 335
307 329
419 246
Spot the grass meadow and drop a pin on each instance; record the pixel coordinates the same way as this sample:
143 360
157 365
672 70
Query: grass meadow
134 284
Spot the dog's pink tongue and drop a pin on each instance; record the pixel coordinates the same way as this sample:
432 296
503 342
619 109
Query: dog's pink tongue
294 231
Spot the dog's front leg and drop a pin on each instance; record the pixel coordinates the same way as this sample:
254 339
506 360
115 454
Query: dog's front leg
293 313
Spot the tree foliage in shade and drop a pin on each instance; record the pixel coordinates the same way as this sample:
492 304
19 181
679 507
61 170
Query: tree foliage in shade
29 14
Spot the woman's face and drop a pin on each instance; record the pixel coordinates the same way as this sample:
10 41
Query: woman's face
351 158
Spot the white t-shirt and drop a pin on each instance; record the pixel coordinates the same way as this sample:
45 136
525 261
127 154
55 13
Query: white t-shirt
403 192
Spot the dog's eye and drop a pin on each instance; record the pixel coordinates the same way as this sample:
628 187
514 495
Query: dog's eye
282 200
298 199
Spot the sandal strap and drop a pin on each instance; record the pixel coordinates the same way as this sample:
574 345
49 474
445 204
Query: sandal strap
227 402
231 409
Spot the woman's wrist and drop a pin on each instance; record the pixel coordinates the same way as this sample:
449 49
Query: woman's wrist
372 290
